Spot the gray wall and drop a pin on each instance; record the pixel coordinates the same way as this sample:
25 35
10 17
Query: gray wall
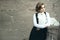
16 17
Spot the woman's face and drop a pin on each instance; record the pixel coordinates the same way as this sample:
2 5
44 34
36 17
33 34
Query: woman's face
42 8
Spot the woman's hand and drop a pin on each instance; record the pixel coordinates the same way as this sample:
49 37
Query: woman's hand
38 29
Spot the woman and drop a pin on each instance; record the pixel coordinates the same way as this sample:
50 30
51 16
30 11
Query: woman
41 21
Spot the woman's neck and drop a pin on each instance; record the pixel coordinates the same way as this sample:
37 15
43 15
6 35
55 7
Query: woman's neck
41 12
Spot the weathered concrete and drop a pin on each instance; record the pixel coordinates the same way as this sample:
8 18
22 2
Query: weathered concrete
16 17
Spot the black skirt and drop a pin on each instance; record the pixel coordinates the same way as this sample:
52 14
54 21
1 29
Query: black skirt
38 34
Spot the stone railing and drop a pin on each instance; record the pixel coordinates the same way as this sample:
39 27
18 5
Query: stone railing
53 33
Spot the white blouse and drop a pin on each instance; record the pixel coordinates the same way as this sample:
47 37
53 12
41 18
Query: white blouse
44 20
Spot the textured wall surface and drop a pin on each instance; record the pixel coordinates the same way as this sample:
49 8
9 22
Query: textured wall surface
16 17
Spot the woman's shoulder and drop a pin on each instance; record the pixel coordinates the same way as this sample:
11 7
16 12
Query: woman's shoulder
34 13
37 13
47 13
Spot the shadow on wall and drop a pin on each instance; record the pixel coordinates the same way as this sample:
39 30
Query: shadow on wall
0 35
0 27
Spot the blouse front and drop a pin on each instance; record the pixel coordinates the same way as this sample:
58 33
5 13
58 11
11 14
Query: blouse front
43 19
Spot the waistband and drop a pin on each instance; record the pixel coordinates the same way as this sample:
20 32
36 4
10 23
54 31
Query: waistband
40 28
